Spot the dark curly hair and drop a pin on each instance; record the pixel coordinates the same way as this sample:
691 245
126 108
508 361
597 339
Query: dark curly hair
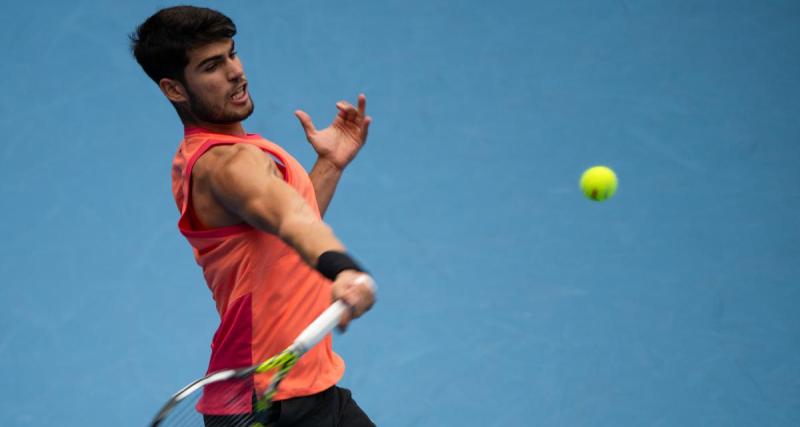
160 44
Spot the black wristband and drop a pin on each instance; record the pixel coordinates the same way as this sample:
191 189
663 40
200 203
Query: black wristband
331 263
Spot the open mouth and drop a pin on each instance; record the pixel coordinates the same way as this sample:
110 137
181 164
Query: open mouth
240 95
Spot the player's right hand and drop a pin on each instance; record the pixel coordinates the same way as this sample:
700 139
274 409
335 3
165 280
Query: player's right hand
357 290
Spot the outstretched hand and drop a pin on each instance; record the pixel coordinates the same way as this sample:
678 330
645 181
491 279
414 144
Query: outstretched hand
340 142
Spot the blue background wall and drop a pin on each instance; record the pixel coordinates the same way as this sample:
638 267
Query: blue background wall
506 298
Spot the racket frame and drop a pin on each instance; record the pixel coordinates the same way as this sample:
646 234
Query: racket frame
307 339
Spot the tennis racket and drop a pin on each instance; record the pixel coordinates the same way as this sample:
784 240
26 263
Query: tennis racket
232 389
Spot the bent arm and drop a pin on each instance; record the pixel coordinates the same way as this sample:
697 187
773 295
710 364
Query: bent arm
247 184
336 146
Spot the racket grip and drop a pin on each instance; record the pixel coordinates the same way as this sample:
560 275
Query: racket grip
320 327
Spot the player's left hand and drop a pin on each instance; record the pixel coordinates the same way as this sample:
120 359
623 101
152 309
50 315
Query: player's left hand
340 142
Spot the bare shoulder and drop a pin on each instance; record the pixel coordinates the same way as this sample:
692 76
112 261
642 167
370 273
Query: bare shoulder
231 158
224 179
220 155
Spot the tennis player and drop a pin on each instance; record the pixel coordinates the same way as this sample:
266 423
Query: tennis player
252 215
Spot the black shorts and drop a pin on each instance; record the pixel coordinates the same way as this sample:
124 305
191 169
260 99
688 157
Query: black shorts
332 407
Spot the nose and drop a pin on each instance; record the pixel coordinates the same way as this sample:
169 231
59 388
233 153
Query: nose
235 69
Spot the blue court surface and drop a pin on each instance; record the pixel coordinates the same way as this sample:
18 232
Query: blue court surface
506 298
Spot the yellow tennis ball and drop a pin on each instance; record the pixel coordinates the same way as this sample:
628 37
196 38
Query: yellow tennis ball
599 183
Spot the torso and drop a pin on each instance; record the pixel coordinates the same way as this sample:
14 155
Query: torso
254 276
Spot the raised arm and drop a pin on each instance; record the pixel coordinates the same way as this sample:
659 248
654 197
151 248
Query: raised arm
336 146
247 186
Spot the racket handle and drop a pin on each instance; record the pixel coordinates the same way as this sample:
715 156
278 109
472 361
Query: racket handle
326 321
320 327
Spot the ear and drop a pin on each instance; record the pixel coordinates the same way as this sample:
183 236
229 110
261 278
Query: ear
173 90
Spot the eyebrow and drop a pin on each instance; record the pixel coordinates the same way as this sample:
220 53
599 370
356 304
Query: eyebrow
215 58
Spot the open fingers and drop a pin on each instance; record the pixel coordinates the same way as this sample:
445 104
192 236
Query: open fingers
365 130
348 111
351 113
362 104
305 121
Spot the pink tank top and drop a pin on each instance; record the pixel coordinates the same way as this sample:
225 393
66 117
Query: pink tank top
264 292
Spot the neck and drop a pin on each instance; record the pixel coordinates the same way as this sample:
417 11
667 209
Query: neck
228 129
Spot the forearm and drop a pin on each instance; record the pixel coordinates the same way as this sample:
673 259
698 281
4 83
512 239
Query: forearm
293 221
324 177
309 238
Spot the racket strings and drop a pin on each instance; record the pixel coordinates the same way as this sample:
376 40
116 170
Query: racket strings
233 397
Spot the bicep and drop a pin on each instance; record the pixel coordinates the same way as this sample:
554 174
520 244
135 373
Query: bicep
246 182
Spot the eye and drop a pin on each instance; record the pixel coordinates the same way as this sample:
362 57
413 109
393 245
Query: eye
234 53
211 67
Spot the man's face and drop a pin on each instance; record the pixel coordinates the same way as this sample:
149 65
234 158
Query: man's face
216 84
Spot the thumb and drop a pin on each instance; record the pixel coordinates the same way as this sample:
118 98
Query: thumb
305 121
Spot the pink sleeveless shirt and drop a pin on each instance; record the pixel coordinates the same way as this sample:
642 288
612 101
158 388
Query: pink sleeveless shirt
264 292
